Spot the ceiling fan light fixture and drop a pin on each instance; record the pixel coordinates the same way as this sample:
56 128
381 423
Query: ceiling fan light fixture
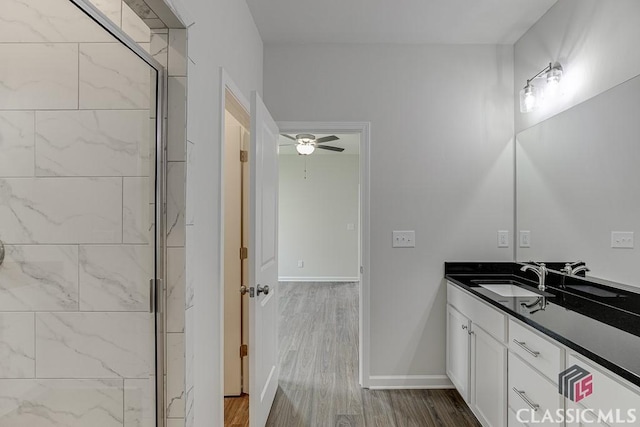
305 149
305 138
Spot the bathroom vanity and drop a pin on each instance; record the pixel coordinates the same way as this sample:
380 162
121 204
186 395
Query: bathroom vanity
509 343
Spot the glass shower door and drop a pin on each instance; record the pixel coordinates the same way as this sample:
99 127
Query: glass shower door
77 215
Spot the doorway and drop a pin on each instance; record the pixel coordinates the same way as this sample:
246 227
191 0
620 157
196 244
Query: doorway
351 132
259 295
237 123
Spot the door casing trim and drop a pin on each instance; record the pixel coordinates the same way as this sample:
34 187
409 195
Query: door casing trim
226 83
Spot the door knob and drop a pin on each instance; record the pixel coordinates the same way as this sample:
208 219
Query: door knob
243 290
263 289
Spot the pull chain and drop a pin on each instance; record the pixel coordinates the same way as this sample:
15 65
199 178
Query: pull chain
305 167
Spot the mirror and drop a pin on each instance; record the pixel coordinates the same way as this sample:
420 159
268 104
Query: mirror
578 180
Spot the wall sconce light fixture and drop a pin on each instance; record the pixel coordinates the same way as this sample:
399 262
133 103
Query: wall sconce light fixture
531 95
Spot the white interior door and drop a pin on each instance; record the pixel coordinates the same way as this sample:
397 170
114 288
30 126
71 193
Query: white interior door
263 255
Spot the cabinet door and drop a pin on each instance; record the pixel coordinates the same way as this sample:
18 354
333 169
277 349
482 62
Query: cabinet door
458 351
488 379
513 421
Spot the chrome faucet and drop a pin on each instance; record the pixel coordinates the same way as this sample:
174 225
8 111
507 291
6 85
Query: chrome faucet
541 271
574 268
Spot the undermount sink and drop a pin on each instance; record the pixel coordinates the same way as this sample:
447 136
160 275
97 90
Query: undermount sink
509 290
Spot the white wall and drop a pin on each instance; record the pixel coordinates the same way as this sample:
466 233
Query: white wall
595 41
314 213
441 164
223 35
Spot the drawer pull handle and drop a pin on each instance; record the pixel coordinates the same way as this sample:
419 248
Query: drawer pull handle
525 348
524 397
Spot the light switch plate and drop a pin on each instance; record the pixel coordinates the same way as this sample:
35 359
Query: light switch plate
622 239
525 238
300 263
503 238
404 239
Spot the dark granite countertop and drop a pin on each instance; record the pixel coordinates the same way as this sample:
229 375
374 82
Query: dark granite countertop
600 322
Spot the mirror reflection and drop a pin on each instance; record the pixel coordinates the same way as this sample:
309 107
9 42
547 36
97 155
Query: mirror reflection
578 185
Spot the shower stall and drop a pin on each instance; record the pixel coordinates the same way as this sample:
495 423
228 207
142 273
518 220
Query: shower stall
82 184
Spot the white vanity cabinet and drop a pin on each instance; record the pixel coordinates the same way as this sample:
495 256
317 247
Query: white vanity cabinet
476 355
501 365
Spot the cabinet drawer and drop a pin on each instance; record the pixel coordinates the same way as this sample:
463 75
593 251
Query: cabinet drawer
581 417
536 350
609 392
480 313
535 389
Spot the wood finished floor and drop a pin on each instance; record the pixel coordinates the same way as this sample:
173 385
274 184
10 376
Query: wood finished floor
318 383
236 411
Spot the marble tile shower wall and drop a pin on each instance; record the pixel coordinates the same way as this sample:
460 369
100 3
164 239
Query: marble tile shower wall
169 48
76 204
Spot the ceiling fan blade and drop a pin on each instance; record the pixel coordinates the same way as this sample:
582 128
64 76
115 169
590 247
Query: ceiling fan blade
326 139
330 148
288 136
286 145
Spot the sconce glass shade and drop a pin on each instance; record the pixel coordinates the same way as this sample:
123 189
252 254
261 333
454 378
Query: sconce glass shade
305 149
553 79
529 98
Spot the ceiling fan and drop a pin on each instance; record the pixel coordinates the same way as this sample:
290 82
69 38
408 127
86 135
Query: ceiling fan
307 143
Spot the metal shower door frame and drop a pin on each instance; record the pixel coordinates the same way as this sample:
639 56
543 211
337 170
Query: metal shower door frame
157 283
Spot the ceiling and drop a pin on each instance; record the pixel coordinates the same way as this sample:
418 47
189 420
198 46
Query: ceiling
349 141
396 21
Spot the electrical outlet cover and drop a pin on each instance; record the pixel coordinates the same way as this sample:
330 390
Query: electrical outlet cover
503 238
622 239
404 239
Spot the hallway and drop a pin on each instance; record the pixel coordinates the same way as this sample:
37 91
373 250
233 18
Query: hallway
318 383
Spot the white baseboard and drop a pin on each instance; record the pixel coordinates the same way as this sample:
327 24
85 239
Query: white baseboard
318 279
382 382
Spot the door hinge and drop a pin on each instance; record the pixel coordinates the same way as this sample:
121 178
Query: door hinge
244 156
244 350
244 253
